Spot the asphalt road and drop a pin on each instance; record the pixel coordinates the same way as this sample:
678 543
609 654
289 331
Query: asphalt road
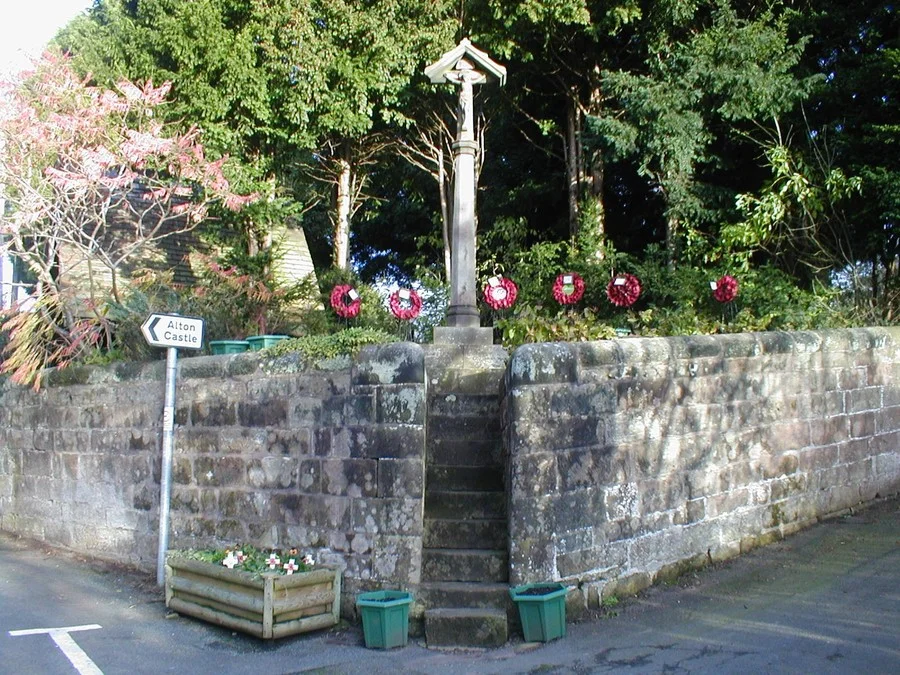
826 600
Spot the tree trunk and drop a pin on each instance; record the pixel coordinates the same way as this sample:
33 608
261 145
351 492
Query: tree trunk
597 209
572 161
446 216
342 219
672 224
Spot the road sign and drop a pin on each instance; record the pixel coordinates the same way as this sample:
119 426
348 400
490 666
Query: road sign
171 330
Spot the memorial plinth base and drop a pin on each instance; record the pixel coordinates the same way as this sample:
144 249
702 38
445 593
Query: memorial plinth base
456 335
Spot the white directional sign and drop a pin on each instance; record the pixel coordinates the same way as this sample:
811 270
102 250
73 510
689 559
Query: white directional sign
171 330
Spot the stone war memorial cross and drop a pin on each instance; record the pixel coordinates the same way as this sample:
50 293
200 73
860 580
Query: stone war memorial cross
464 66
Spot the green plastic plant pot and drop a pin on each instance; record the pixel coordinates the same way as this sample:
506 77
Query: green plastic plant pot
228 346
258 342
542 610
385 617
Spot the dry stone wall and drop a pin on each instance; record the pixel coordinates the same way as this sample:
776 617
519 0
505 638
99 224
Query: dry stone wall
269 451
629 459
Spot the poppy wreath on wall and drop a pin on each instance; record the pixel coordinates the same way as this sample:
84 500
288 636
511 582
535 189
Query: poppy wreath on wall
568 288
500 292
345 301
623 290
405 304
725 289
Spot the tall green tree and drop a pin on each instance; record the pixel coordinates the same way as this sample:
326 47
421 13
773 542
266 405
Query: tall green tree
853 118
692 89
297 90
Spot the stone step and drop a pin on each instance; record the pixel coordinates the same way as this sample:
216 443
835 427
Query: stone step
473 427
464 381
461 627
451 451
464 478
454 564
465 405
451 533
464 356
465 594
465 505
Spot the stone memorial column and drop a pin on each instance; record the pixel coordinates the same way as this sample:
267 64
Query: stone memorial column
464 66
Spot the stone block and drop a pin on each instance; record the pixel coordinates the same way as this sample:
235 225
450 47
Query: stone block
36 463
793 435
307 410
533 475
397 559
468 405
387 440
272 413
621 501
310 478
829 430
184 500
319 513
401 404
211 471
662 494
627 586
403 478
545 363
531 560
466 627
394 363
182 471
867 398
728 502
284 442
274 472
387 516
350 477
885 443
543 435
245 506
886 420
463 428
323 444
213 413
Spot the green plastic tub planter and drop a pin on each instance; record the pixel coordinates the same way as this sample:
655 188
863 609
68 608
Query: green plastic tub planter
228 346
258 342
542 610
385 617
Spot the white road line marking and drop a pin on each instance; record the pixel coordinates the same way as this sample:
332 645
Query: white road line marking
67 645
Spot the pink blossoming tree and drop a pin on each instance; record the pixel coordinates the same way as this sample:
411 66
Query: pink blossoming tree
90 179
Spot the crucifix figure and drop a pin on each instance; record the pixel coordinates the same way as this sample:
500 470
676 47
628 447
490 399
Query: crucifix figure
464 66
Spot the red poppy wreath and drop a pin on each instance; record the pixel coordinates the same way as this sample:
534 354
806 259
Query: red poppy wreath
345 301
725 289
500 292
568 288
623 290
405 304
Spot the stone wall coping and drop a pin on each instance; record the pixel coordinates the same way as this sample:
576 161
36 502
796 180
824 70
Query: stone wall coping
563 362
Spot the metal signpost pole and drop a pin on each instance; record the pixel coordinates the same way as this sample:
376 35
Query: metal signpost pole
165 487
173 332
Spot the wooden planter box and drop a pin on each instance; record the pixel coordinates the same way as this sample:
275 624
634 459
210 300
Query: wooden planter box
272 606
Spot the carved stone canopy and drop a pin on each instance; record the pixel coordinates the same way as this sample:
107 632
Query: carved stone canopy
465 56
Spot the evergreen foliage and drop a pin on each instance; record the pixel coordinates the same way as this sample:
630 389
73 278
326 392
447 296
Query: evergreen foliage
678 140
